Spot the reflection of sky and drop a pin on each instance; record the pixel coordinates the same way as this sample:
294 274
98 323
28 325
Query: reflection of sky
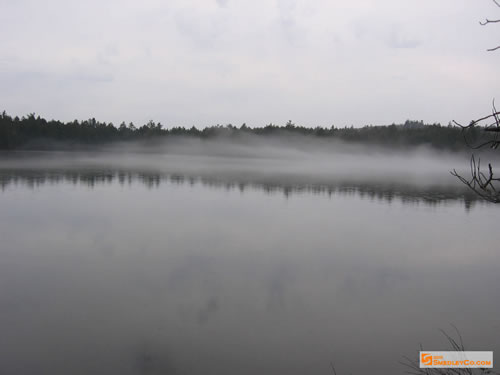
188 279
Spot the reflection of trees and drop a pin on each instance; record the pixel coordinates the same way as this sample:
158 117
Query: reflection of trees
387 192
152 359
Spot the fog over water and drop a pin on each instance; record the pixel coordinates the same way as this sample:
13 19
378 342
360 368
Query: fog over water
291 159
272 257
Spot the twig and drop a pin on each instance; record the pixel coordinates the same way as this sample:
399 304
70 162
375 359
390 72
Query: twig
487 21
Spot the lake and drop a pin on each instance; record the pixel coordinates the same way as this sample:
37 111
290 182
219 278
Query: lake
188 264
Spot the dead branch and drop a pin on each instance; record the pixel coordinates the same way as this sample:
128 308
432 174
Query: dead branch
489 125
487 21
482 184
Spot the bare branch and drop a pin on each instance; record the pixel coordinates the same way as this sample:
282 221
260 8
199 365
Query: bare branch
476 122
487 126
482 184
487 21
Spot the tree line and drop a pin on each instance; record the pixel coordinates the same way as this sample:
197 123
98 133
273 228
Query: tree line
32 132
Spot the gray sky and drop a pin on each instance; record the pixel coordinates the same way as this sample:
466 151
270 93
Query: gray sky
203 62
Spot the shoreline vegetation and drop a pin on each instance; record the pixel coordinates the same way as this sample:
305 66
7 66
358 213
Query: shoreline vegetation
33 132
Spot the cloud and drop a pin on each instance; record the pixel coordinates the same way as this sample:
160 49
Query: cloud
194 62
222 3
399 40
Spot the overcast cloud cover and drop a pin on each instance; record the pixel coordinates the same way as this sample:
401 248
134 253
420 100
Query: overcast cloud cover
203 62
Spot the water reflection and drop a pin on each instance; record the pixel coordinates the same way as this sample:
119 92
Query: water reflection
146 272
195 266
382 191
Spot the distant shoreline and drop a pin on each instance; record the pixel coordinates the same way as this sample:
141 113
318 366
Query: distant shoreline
35 133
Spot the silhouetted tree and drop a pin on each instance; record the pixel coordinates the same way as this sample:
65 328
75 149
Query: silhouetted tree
32 132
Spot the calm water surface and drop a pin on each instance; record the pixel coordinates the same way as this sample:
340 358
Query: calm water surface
116 271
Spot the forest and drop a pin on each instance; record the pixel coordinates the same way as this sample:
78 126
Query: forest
35 132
